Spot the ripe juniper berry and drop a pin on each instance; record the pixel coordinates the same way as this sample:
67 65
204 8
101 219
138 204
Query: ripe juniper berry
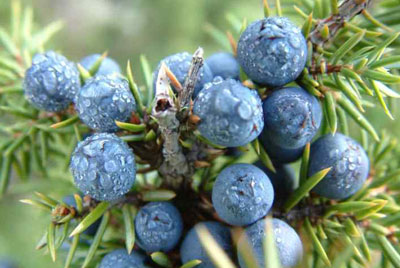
272 51
102 101
288 243
283 181
349 162
103 166
230 113
108 66
291 117
278 154
242 194
158 226
120 258
192 249
52 82
224 65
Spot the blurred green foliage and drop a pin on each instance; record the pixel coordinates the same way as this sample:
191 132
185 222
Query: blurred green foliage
128 28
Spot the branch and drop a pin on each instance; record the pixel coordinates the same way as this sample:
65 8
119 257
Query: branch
311 211
186 94
175 165
347 10
327 69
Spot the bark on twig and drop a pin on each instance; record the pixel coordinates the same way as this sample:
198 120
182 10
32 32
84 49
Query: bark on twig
328 69
296 214
186 94
347 10
175 165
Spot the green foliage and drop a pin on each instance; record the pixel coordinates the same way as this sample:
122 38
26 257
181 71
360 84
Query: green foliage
351 71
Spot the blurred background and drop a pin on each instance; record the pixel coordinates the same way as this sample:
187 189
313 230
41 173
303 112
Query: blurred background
126 29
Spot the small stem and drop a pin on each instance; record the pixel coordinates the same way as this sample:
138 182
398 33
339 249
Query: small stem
145 170
188 88
347 10
175 165
316 69
308 211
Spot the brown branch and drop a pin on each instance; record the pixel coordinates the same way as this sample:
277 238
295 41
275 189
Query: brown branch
328 69
310 211
175 166
171 114
347 10
145 170
186 94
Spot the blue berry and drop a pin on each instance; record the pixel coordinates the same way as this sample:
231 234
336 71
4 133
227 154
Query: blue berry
291 117
192 249
91 231
283 180
278 154
288 243
158 227
120 258
7 264
103 166
179 64
272 51
231 114
52 82
224 65
242 194
102 101
349 162
108 65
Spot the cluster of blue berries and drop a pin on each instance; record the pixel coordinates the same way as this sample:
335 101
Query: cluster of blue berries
243 195
159 227
52 82
103 165
272 52
289 246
